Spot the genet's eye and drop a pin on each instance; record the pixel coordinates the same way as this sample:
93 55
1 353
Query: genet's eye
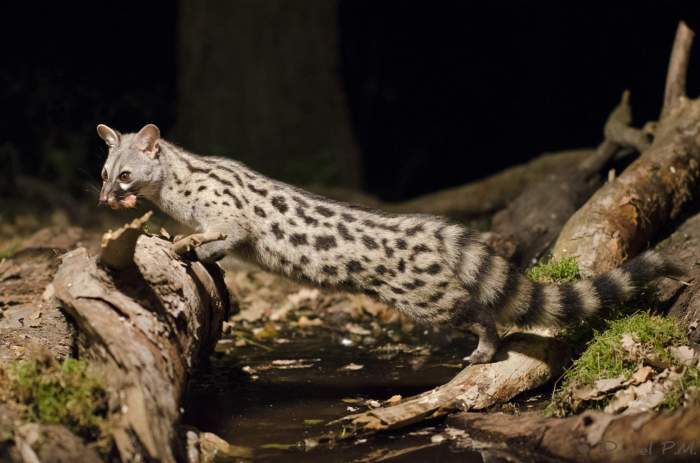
104 174
125 177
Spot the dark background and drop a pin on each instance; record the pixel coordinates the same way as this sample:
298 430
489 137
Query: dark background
437 93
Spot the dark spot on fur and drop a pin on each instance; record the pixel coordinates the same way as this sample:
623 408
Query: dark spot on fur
307 219
187 192
216 192
261 191
401 244
365 259
396 290
402 265
279 203
330 270
325 242
435 297
433 269
300 201
388 250
259 211
348 217
418 249
304 260
369 242
277 231
236 201
298 239
238 179
207 204
413 230
354 266
202 188
382 270
376 282
292 222
443 284
422 305
324 211
219 179
344 232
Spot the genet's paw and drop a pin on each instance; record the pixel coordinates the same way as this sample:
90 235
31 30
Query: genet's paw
478 356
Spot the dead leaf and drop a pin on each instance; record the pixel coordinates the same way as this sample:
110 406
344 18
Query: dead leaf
685 355
352 367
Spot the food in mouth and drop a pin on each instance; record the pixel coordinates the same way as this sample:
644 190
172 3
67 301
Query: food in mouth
127 201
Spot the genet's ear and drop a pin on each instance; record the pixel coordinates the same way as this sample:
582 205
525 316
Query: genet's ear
147 139
109 135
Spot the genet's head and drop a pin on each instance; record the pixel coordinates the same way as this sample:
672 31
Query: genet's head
132 168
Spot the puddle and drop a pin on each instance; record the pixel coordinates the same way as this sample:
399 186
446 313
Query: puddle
301 385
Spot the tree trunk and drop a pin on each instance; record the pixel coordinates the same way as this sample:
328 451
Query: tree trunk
258 81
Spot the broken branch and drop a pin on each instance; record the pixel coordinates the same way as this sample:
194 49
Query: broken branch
677 68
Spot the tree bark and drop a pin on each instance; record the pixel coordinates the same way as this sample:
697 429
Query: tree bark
593 436
145 324
622 217
532 221
258 80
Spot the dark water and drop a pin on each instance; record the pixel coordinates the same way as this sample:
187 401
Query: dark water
282 407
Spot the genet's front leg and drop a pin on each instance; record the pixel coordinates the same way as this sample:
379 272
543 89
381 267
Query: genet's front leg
215 250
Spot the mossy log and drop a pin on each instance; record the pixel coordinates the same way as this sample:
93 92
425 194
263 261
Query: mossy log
146 320
623 216
592 436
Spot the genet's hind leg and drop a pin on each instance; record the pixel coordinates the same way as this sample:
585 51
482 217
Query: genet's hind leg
480 321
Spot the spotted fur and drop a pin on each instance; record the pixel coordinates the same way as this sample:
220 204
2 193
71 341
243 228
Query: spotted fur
427 267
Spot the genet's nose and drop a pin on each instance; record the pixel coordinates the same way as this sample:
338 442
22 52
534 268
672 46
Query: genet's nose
104 194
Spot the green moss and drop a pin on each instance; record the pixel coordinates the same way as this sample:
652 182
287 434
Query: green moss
7 251
604 357
59 393
689 385
555 271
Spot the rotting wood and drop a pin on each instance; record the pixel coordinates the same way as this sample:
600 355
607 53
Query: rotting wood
593 436
622 217
146 325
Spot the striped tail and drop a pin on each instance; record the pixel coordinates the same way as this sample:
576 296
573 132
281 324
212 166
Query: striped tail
525 303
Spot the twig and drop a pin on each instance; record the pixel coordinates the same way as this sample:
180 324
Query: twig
188 243
678 67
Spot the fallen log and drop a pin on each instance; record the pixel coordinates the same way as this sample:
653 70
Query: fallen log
474 200
681 297
483 197
145 322
532 221
592 436
623 216
524 362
